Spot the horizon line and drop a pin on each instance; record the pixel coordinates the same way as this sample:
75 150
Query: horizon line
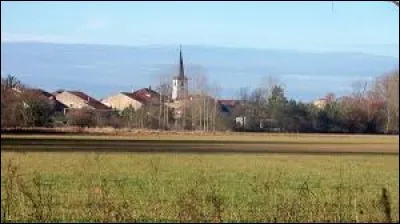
171 45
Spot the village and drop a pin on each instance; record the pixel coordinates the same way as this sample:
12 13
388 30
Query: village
272 112
174 106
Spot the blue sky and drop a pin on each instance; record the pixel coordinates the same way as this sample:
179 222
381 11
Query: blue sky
371 27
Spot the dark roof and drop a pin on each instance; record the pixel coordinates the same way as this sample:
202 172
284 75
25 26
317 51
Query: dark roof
90 100
227 106
181 68
44 93
58 106
231 103
181 75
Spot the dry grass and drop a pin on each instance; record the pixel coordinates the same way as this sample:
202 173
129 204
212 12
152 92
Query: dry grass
284 138
146 134
129 187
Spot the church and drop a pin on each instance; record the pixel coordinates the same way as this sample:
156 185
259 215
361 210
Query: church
179 95
180 109
180 82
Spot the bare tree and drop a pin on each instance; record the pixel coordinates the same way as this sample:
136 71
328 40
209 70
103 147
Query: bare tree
10 82
243 96
215 93
267 85
164 88
199 93
386 87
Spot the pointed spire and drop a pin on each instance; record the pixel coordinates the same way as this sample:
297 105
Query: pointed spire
181 69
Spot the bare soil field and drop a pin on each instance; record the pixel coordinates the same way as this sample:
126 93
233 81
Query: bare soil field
164 142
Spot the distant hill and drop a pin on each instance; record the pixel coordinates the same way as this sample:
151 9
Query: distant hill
101 70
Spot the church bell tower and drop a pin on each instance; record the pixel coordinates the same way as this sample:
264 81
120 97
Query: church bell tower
180 82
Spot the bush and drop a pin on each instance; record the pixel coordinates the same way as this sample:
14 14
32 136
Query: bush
37 110
81 117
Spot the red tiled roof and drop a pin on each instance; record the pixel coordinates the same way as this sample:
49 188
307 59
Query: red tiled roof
129 94
145 96
90 100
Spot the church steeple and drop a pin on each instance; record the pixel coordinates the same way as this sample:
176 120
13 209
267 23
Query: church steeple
180 82
181 75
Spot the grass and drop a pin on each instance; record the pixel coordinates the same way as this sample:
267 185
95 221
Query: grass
140 187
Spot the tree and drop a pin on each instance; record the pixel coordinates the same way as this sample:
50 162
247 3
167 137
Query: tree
267 85
164 87
198 101
10 82
11 109
276 104
81 117
243 107
386 89
11 102
215 114
129 117
257 105
37 109
297 117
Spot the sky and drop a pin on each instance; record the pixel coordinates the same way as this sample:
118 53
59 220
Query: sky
370 27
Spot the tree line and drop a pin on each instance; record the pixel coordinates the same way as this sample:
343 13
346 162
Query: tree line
372 107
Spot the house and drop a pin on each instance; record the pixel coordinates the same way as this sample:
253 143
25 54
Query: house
241 121
137 99
230 108
227 107
122 100
57 105
149 97
320 103
80 100
37 93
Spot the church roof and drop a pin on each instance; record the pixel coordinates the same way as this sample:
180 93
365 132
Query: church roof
181 75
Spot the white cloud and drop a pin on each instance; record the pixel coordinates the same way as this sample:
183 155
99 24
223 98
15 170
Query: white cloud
67 39
81 34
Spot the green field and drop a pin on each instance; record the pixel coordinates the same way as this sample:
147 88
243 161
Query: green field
173 187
